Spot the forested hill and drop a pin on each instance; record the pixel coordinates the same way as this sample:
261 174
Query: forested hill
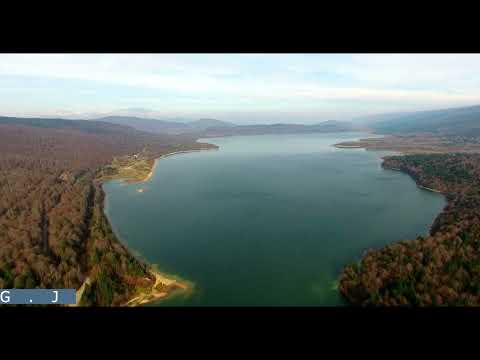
464 121
164 127
93 127
323 127
440 269
212 127
53 233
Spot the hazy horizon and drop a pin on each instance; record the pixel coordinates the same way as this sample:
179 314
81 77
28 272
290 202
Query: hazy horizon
239 88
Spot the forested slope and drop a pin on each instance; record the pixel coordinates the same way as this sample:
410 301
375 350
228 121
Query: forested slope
53 233
462 121
441 269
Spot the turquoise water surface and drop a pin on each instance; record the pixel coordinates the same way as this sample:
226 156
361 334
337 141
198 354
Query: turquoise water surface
270 219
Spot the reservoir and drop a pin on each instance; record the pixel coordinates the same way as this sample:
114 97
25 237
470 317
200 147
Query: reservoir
269 219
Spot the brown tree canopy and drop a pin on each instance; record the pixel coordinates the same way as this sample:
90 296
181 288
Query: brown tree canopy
441 269
53 233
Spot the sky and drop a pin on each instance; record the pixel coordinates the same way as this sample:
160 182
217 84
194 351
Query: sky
241 88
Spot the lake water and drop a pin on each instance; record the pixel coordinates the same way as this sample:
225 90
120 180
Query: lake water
268 220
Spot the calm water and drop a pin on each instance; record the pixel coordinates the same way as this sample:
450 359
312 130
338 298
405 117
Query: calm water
268 220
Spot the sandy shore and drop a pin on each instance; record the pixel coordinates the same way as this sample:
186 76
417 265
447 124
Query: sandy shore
347 146
184 152
163 287
430 189
150 174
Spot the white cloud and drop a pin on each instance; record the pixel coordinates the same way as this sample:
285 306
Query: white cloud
262 81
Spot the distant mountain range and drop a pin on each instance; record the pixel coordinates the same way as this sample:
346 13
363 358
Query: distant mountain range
453 121
93 127
213 127
463 121
97 127
165 127
171 130
327 126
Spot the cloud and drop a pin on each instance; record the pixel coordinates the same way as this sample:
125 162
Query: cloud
237 82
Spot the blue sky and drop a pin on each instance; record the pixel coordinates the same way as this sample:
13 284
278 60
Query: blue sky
243 88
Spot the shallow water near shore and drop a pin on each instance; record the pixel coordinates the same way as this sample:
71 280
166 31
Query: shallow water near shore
270 219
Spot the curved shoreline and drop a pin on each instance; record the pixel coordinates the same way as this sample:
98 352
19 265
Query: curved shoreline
152 171
418 185
150 174
347 292
165 285
339 146
430 189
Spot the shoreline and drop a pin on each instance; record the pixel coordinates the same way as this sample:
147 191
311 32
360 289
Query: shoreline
430 189
165 285
367 148
418 185
152 171
150 174
339 146
345 294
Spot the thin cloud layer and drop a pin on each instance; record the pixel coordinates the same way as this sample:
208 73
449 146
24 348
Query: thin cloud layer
313 86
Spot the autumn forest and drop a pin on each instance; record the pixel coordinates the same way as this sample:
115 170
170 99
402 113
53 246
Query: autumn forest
440 269
53 232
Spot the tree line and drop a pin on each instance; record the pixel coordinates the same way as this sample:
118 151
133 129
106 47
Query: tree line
53 232
440 269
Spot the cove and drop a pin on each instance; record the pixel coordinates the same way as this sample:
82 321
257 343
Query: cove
269 219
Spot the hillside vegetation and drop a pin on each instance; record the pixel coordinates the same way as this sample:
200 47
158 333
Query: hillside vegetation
53 232
464 121
165 127
441 269
212 127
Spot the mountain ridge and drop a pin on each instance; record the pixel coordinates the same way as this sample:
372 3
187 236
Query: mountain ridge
450 121
214 127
